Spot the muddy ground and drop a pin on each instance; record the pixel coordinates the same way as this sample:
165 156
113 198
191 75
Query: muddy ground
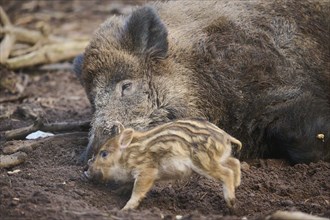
50 184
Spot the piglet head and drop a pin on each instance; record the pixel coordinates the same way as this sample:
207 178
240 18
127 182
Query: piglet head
105 165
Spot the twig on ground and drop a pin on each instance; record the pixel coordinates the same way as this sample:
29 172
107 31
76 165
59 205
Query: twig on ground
11 147
21 51
12 159
287 215
29 36
48 54
87 213
30 145
21 133
202 197
8 40
13 98
46 48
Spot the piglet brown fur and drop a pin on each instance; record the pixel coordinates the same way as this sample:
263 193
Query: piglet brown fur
170 151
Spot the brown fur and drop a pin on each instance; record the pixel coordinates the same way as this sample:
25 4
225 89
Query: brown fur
258 69
169 151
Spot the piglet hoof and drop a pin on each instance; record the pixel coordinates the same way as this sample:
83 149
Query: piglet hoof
125 208
238 183
129 205
232 209
231 203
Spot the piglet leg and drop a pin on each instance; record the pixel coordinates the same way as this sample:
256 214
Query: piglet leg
143 183
225 175
235 166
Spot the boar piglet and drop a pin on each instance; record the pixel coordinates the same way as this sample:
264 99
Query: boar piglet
170 151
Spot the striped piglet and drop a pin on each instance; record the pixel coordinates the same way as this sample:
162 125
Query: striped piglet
170 151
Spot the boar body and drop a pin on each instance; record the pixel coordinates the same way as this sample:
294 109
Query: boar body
170 151
257 69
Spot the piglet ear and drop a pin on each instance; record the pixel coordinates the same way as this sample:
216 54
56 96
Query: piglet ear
125 138
146 32
121 127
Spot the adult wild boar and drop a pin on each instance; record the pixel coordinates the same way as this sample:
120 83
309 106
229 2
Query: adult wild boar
257 69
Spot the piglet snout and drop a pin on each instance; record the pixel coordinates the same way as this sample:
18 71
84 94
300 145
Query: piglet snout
87 174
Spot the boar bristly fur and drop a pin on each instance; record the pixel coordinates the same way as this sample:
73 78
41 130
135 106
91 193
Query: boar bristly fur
257 69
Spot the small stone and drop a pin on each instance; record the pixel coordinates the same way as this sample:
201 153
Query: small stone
12 159
320 137
13 172
287 203
14 203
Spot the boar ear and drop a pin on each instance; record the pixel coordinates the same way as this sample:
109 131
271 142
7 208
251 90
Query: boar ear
147 33
125 138
77 65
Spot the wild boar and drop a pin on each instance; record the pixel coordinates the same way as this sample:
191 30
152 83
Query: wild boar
169 151
258 69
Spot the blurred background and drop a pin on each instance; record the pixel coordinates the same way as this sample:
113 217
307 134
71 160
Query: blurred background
65 17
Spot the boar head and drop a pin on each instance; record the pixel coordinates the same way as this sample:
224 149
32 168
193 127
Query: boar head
129 76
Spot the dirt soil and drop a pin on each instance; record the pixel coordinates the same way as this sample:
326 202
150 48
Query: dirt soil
50 184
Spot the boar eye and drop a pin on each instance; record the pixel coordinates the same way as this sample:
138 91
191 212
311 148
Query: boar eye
104 154
126 88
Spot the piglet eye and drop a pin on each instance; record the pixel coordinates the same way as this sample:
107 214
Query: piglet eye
104 154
